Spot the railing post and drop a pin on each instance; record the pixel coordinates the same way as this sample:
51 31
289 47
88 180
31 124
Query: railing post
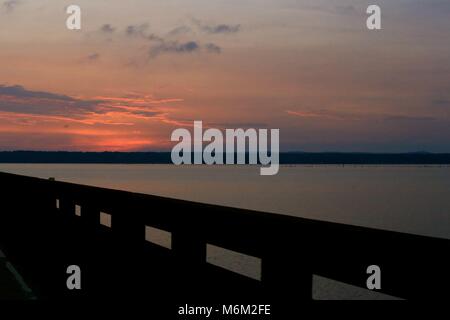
287 273
188 248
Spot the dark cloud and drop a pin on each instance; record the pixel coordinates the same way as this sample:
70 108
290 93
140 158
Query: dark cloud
93 57
217 29
159 45
185 47
154 37
173 47
20 100
212 48
148 114
222 28
179 31
21 92
10 5
176 47
107 28
137 30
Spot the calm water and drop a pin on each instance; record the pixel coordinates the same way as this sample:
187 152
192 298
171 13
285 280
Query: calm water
414 199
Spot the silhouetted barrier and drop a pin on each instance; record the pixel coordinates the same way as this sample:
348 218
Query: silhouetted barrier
45 226
339 158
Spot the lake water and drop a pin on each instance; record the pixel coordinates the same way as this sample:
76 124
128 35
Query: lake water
412 199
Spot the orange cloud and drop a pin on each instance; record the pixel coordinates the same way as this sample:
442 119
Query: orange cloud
92 124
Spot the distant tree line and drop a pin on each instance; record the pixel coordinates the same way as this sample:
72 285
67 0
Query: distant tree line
165 157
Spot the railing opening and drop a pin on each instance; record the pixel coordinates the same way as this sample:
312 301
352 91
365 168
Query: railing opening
105 219
159 237
329 289
237 262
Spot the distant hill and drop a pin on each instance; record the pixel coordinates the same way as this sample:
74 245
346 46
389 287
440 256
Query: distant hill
164 157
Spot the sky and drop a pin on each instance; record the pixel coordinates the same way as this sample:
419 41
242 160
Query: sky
139 69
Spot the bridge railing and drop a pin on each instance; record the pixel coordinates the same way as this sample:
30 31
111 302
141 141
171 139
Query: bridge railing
45 225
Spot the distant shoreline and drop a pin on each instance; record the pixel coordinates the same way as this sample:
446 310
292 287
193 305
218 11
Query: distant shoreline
418 158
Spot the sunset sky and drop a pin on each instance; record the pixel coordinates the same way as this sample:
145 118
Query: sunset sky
139 69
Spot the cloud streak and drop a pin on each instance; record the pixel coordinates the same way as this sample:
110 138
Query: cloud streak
334 115
18 102
107 28
137 30
161 46
174 47
179 31
91 58
19 91
216 29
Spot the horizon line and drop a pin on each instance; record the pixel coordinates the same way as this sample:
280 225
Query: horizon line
281 152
